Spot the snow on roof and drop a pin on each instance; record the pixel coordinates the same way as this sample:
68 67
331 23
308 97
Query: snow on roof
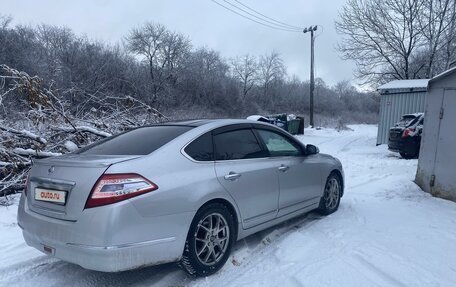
415 115
443 74
405 84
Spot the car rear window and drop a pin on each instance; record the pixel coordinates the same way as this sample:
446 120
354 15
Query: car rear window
406 121
140 141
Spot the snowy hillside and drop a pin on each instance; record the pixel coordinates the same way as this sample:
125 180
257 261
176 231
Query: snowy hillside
387 232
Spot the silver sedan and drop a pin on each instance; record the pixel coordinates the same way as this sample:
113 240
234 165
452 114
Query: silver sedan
177 192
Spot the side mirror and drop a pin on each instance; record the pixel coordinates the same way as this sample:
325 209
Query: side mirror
311 149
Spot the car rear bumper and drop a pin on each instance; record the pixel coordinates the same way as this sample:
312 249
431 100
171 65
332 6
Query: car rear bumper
106 258
98 243
404 146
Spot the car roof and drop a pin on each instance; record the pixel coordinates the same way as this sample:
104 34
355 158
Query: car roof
218 122
190 123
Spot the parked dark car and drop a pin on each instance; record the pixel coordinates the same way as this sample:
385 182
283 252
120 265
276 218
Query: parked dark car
405 136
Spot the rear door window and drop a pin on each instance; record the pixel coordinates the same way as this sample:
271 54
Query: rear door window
140 141
201 149
237 144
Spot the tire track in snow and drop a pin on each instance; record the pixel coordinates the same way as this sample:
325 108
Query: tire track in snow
378 263
346 147
20 270
49 271
52 272
372 180
376 273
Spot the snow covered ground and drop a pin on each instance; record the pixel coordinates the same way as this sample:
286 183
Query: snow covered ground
387 232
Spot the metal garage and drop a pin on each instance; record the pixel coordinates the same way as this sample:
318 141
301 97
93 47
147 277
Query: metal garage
436 172
397 98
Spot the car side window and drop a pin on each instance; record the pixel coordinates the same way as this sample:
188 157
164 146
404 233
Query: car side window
237 144
201 149
278 145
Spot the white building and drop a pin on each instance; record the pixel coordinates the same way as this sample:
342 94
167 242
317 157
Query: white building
436 172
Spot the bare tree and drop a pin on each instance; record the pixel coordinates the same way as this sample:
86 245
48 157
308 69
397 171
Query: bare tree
437 22
449 47
204 76
245 70
381 37
5 21
272 71
397 39
163 51
50 126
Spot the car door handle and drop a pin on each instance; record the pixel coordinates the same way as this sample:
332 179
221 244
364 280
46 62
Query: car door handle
283 168
232 176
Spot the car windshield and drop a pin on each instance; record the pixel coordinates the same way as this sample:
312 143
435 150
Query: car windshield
140 141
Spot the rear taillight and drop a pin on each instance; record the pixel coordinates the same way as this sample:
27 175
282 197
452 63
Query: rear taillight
407 132
111 188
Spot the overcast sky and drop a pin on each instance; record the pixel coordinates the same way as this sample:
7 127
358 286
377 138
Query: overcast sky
206 24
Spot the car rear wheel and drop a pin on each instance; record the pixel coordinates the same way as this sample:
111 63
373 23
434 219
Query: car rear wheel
330 200
209 240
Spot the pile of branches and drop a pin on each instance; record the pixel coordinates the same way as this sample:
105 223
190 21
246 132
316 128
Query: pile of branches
38 120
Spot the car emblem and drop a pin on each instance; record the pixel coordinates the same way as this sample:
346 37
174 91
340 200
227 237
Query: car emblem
51 169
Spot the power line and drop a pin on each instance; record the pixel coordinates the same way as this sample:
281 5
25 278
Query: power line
281 23
244 16
261 23
284 26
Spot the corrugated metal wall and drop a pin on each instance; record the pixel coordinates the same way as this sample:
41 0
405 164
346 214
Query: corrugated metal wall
395 104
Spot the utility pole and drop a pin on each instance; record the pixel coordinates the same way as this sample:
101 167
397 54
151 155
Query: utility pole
312 79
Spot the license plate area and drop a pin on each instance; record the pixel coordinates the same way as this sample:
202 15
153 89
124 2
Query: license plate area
50 195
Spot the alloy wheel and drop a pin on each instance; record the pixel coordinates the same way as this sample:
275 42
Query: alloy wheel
332 193
211 239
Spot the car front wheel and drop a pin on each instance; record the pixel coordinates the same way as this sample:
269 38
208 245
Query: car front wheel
209 240
330 200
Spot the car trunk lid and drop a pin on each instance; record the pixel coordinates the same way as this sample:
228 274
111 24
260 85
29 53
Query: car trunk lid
69 178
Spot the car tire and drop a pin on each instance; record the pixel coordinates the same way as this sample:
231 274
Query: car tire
209 240
330 200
